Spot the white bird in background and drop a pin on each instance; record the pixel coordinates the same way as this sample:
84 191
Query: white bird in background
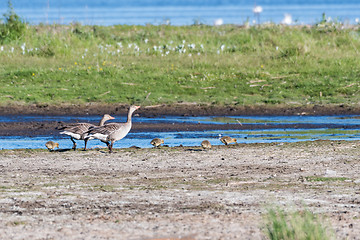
218 22
287 19
257 10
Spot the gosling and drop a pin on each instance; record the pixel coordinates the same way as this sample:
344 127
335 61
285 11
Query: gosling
227 140
206 144
157 142
51 145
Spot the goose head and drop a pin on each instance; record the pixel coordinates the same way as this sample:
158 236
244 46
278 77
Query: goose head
107 117
133 108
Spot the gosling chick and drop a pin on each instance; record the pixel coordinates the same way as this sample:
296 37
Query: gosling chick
206 144
157 142
227 140
51 145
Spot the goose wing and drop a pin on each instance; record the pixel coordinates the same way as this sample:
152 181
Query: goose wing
104 132
107 129
77 128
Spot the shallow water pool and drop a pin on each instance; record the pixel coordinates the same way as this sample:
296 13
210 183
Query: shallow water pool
341 128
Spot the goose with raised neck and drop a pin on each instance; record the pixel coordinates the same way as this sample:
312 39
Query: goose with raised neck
112 132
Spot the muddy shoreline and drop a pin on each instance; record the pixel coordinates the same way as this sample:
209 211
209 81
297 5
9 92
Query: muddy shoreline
181 109
49 128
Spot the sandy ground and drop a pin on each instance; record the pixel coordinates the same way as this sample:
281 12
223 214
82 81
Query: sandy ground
176 193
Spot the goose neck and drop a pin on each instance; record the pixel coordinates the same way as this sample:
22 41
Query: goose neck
129 116
102 121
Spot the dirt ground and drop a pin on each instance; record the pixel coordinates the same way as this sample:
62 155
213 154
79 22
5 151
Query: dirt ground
185 109
176 193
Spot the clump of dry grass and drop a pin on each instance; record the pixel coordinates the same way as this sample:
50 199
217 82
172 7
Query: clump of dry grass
300 225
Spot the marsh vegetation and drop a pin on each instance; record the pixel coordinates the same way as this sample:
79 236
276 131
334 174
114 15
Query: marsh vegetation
229 64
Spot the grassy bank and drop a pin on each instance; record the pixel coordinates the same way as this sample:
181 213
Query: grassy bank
267 64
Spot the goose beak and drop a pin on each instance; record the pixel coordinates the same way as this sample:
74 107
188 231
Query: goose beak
137 107
111 117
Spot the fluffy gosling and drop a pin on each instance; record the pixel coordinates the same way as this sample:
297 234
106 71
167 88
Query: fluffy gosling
206 144
157 142
51 145
227 140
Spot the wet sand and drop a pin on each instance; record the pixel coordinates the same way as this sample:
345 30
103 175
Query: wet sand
176 193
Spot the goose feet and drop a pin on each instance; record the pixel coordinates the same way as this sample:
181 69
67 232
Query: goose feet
86 140
74 144
109 146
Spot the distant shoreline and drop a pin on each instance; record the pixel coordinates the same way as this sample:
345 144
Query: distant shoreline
180 13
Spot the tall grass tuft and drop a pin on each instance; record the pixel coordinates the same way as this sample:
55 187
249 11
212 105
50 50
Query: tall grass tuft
300 225
13 27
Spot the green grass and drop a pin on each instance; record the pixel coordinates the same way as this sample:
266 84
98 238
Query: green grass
17 223
300 225
266 64
325 179
103 188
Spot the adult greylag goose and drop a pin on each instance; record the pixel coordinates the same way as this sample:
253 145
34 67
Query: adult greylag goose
227 140
51 145
206 144
79 131
112 132
156 142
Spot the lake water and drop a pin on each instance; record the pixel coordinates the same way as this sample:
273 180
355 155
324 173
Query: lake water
181 12
323 128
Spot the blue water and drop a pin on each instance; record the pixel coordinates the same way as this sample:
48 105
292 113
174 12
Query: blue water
189 138
342 128
339 119
181 12
265 120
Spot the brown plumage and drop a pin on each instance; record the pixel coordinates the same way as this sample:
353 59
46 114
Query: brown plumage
227 140
51 145
79 130
206 144
112 132
157 142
